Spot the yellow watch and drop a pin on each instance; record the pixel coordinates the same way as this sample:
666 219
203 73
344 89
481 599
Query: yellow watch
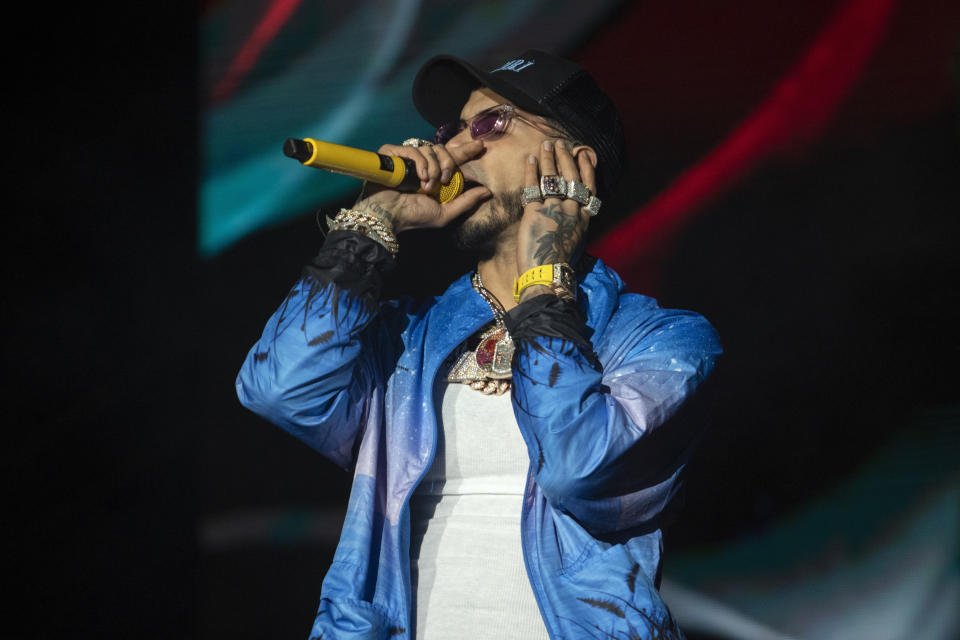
558 277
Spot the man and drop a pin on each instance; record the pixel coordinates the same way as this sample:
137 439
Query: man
475 513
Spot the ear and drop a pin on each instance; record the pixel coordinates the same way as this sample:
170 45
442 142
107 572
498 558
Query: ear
591 154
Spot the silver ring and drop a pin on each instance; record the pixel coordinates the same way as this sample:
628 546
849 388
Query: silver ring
530 194
579 192
592 207
417 142
553 187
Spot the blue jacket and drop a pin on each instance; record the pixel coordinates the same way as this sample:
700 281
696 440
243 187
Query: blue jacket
607 444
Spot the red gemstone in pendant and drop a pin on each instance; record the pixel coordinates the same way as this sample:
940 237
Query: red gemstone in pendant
485 351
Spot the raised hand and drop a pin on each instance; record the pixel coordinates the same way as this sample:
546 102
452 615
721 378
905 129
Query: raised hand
435 165
552 231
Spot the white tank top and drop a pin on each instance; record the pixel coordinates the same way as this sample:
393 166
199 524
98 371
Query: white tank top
467 568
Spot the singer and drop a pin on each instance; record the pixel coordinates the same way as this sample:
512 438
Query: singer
517 443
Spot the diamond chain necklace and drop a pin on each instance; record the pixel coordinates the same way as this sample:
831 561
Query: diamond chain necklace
495 305
488 367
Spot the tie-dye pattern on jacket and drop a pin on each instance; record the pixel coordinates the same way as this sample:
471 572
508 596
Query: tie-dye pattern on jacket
606 433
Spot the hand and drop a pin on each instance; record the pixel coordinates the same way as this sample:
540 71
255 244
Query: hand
435 164
552 231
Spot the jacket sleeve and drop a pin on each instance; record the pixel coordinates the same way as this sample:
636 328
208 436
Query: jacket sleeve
610 434
315 366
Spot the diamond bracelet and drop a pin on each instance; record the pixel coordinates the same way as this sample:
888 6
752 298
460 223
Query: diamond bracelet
372 226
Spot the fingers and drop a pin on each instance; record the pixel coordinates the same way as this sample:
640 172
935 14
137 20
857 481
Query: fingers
548 164
448 160
556 159
461 204
576 169
433 167
447 164
466 151
566 163
588 174
431 162
436 163
531 173
412 153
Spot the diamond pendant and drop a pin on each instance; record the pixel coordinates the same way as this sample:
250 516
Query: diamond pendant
495 353
488 366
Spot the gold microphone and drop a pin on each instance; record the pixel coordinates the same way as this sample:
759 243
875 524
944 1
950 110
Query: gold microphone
390 171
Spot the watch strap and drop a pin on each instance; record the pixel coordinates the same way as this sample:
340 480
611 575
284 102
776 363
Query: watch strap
550 275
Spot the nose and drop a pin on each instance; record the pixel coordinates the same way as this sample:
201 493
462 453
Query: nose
461 137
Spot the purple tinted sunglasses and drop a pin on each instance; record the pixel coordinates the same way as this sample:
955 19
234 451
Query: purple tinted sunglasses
487 124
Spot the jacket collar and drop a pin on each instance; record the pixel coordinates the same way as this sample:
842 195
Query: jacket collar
456 315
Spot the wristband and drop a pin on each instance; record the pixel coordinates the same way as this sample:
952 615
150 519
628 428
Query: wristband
559 277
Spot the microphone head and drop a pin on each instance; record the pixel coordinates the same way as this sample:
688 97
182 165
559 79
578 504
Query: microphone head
450 190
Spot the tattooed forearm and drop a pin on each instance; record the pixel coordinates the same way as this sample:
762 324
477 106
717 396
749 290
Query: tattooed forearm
559 244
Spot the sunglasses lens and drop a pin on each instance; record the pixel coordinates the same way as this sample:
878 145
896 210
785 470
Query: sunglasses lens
483 125
487 124
446 132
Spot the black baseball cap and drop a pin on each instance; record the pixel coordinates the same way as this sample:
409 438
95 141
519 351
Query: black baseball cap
538 82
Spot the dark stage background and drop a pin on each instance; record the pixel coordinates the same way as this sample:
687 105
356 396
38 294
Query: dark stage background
148 503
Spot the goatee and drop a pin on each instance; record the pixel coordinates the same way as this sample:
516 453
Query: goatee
480 236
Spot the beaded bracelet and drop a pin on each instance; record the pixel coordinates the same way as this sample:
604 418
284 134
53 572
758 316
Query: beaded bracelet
372 226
